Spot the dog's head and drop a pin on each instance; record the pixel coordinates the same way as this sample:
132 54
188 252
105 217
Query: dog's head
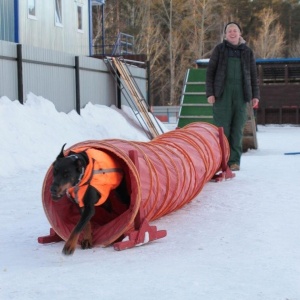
66 173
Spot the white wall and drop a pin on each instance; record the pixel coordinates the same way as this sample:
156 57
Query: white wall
43 33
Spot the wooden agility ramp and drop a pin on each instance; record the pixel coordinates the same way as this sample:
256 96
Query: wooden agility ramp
194 106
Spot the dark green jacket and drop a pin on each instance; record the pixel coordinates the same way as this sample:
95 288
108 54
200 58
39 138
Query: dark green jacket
216 72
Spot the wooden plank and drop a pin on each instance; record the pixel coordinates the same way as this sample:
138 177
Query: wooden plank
197 104
136 96
196 82
196 116
194 93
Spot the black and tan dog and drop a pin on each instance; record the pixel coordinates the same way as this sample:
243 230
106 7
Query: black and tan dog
87 176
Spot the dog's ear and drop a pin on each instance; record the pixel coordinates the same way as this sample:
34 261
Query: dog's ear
61 154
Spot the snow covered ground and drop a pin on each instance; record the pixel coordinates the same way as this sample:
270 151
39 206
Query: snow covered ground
237 240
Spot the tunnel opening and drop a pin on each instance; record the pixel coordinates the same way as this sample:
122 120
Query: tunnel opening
110 220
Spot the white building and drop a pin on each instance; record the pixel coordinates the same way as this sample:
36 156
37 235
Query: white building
62 25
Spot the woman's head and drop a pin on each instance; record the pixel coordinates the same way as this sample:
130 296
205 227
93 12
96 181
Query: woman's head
233 33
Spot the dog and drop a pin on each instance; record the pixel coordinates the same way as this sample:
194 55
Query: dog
79 175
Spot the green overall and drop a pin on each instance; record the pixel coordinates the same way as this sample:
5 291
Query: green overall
230 111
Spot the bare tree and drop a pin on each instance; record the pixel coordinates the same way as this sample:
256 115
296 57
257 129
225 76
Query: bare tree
270 41
97 27
295 49
164 45
168 17
149 38
202 21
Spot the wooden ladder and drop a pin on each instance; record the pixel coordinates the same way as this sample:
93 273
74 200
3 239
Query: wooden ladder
137 102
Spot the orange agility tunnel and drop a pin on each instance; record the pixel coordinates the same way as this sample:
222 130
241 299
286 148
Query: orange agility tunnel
161 176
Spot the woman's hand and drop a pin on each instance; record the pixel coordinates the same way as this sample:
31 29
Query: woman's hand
255 103
211 99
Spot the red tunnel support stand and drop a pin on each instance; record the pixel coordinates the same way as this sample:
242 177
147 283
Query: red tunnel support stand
53 237
143 235
226 173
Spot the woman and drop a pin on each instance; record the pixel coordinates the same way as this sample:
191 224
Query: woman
231 82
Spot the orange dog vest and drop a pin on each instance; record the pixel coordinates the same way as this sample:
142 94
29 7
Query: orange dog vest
102 172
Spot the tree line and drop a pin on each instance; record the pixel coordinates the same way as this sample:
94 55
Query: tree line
173 34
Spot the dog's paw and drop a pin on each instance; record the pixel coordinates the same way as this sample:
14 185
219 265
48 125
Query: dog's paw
68 250
86 244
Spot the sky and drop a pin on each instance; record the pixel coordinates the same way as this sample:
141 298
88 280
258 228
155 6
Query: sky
237 239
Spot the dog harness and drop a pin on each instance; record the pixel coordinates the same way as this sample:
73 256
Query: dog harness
102 172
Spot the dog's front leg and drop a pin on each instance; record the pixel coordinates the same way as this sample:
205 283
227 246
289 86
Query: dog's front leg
90 198
71 243
87 241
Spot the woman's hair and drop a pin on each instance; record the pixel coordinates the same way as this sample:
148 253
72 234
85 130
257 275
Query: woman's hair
232 23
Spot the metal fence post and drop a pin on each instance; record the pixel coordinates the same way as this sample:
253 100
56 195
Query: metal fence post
77 84
20 73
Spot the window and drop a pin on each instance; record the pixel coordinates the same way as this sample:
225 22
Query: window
58 13
95 2
31 9
79 17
